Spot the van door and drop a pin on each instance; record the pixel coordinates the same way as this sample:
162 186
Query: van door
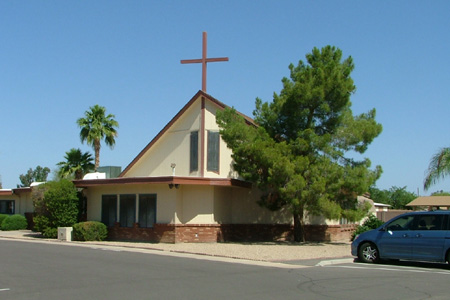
396 239
429 237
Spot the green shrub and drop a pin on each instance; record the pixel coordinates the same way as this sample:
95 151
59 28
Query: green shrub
40 223
90 231
372 222
14 222
2 217
50 233
56 204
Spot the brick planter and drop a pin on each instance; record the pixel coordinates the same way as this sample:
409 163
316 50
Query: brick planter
211 233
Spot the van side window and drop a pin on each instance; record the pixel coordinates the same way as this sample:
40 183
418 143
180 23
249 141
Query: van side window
446 222
429 222
403 223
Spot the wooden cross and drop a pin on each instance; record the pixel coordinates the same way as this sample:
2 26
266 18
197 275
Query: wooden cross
204 60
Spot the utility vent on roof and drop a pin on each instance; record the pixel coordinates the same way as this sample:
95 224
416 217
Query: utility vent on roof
111 171
96 175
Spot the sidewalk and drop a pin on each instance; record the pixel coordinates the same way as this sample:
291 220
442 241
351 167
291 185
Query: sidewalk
280 252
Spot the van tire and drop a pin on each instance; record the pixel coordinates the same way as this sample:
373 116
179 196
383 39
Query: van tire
368 253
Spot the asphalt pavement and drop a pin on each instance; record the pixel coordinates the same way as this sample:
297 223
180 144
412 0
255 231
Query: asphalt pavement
282 255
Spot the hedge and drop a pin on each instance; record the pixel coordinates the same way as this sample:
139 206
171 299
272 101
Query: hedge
2 217
90 231
14 222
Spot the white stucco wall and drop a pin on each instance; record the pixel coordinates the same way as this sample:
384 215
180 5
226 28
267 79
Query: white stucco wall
166 200
23 202
172 147
192 204
198 204
225 164
245 209
223 204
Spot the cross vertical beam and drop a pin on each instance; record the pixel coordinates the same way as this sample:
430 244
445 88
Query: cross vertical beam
204 60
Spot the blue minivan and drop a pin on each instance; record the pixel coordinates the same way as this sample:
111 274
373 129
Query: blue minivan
420 236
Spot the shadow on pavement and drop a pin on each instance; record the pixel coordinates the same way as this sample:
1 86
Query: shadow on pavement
407 263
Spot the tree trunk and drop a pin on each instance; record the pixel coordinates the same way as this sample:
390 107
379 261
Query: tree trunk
78 174
97 154
299 229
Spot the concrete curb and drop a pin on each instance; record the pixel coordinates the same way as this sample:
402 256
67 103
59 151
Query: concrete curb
330 262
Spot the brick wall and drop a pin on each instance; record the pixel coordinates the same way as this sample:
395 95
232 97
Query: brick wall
199 233
211 233
329 233
160 233
257 232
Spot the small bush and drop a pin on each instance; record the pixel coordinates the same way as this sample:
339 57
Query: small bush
372 222
41 223
50 233
14 222
90 231
2 217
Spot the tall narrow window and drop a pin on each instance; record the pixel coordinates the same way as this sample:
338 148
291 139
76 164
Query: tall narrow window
213 151
194 152
147 210
127 210
109 210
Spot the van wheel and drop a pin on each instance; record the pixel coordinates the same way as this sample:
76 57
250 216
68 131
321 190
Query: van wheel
368 253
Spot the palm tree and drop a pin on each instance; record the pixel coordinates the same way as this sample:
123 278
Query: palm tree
76 163
438 168
95 127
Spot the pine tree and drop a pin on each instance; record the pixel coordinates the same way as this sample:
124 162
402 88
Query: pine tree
301 153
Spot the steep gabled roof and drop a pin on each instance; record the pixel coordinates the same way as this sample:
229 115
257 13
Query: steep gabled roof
174 119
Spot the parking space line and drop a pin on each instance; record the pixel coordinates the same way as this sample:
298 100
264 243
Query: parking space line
4 290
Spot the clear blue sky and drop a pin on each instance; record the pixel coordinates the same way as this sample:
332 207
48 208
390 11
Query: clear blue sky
58 58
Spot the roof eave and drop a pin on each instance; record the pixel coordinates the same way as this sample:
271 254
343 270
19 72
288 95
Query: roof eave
162 180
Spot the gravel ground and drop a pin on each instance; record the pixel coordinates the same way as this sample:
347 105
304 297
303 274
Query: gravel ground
281 251
257 251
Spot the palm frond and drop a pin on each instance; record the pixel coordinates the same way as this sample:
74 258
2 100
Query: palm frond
439 167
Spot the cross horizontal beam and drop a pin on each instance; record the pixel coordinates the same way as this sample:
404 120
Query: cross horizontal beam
204 60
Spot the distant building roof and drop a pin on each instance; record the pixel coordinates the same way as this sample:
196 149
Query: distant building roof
381 204
6 192
431 201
